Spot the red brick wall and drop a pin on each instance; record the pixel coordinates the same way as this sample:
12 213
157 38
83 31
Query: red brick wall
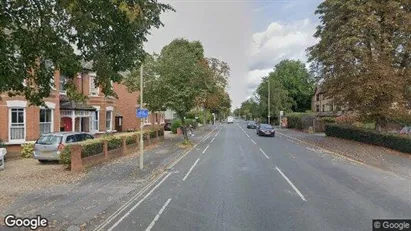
127 107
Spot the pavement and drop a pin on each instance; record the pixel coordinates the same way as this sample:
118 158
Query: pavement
105 187
376 156
236 180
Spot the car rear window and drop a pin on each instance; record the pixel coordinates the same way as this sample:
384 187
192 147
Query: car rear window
267 126
49 139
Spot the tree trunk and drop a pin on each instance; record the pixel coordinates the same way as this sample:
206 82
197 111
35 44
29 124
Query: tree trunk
183 124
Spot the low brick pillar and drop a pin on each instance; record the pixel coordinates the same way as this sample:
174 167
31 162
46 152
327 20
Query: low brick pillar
76 161
105 149
124 142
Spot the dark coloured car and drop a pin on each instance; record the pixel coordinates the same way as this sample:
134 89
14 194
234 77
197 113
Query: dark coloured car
167 125
266 130
251 125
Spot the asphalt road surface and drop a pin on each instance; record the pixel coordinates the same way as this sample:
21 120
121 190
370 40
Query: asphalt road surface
236 180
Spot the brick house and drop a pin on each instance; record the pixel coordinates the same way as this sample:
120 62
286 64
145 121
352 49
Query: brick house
322 105
21 123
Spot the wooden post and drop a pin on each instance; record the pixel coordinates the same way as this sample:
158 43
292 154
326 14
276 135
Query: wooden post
76 161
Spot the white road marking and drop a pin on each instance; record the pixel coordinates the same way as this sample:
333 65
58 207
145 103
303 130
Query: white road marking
212 140
247 135
206 149
128 203
253 141
264 153
158 215
138 203
206 138
188 173
291 183
217 133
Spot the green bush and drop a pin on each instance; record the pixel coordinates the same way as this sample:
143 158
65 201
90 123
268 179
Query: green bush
27 150
300 120
191 122
153 134
114 143
131 139
328 119
65 156
91 148
161 132
396 142
175 125
2 145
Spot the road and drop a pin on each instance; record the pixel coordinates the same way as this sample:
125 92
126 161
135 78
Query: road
236 180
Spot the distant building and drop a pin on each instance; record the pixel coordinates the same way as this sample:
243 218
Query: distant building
322 105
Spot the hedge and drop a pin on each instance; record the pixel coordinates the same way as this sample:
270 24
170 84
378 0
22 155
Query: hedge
114 143
395 142
300 120
91 148
153 134
131 140
27 150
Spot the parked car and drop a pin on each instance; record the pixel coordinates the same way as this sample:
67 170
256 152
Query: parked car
167 126
49 146
265 130
405 131
251 125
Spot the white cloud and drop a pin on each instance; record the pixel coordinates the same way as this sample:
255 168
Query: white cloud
281 40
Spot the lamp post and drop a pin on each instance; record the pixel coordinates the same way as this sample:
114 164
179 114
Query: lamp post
141 120
269 101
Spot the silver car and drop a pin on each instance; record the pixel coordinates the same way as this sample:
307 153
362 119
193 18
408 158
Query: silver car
49 146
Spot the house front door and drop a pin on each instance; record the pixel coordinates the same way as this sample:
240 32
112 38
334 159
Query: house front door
118 123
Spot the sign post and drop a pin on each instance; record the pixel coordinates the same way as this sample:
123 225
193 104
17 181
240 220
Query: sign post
144 114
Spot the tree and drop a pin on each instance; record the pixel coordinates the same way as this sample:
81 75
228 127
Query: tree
39 36
363 57
279 98
180 76
297 81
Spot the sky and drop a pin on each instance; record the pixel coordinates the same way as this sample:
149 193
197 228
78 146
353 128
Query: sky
251 36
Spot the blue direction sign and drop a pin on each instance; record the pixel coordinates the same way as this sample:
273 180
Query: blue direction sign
142 113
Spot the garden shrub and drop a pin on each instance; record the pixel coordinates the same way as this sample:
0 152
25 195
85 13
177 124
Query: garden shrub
131 139
114 143
27 150
65 156
175 125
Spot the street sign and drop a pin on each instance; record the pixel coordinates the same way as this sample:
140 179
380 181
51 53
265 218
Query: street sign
142 113
281 113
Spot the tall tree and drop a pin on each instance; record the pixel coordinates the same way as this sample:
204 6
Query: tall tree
364 56
37 36
279 98
297 81
181 76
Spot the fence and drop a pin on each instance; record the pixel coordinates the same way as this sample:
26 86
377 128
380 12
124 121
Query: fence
111 148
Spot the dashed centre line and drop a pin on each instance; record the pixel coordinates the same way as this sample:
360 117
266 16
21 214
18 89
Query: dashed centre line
206 149
191 169
264 154
253 141
158 215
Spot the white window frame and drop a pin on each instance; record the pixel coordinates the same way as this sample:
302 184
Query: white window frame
93 91
51 120
24 125
111 120
92 120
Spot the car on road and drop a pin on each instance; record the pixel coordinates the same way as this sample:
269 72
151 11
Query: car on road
230 120
251 125
266 130
167 125
49 146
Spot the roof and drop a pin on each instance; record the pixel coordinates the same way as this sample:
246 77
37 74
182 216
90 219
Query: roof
66 104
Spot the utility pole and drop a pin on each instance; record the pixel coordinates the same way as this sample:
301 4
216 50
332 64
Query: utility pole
269 101
141 120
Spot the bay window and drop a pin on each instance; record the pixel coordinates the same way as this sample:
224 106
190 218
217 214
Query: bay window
109 118
46 121
17 125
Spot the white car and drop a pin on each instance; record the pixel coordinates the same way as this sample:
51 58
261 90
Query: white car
230 120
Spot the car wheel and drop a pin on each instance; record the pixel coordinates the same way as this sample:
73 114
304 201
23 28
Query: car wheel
43 161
